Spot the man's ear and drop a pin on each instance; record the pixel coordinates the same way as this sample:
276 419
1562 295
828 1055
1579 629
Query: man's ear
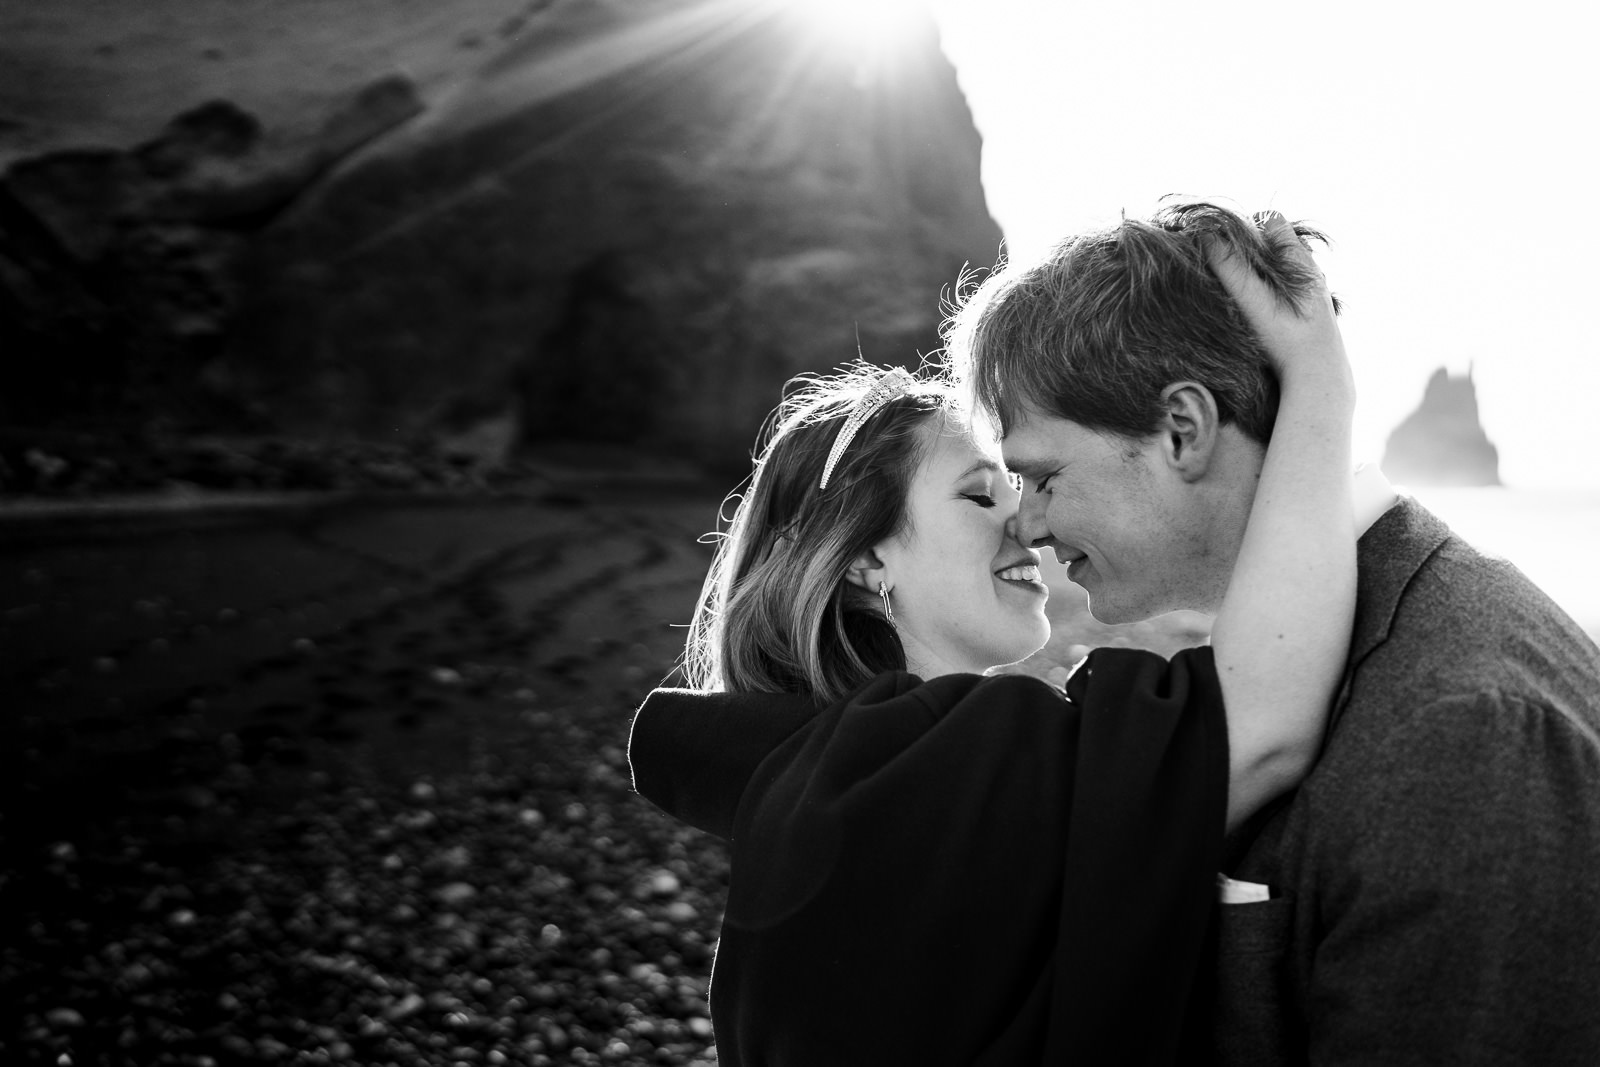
1189 429
866 571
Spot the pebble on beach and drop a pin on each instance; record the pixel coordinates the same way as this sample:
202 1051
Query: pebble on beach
363 923
379 817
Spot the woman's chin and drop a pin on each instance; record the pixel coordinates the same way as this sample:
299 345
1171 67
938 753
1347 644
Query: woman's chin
1037 638
1011 642
1021 650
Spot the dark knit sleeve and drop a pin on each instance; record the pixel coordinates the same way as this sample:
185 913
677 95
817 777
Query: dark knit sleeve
896 879
1149 806
691 753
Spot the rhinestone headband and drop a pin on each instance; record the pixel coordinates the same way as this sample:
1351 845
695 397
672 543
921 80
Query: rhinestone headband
893 385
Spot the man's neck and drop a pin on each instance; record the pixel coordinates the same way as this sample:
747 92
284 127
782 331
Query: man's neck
1371 496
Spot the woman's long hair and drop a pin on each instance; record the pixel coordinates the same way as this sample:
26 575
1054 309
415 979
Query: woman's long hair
777 613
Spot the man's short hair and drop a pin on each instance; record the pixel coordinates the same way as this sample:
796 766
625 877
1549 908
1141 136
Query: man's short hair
1095 330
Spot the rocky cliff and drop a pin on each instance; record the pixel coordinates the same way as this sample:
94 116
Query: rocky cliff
1442 442
629 220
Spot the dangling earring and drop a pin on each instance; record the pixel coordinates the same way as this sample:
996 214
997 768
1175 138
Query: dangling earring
888 612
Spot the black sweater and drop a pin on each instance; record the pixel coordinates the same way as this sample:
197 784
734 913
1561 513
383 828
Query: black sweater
961 871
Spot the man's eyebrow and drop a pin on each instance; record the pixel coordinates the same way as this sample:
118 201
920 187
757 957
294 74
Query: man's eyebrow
1025 466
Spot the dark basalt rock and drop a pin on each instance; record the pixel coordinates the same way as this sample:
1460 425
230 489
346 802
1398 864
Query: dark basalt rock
633 224
628 223
1442 443
119 268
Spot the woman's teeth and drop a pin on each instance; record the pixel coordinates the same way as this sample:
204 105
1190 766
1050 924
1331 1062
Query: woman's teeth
1028 573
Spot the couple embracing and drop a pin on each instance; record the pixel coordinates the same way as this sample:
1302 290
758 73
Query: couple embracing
1361 826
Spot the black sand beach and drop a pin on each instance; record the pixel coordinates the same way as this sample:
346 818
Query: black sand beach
329 780
315 778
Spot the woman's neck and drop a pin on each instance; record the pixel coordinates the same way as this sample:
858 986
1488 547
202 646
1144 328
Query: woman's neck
926 663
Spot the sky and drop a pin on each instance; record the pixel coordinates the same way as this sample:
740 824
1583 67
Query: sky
1449 152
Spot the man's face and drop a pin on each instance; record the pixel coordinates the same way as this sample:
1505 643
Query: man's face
1130 529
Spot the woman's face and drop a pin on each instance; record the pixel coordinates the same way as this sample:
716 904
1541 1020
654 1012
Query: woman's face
966 594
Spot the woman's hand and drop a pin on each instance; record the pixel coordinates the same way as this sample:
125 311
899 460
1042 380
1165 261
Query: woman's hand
1299 331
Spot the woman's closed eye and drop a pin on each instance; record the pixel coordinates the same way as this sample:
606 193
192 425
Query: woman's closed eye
983 500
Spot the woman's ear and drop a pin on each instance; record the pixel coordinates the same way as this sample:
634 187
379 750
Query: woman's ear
866 571
1189 429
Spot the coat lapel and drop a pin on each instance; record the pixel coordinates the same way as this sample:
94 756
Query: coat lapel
1388 557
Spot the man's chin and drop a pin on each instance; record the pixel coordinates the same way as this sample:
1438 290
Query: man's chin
1123 605
1109 615
1114 612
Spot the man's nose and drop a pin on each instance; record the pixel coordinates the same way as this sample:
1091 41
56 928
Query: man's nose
1031 528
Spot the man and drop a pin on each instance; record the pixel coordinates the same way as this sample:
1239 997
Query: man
1431 893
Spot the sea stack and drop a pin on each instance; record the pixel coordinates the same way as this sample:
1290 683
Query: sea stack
1442 443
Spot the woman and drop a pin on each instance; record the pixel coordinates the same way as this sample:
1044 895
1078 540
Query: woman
932 866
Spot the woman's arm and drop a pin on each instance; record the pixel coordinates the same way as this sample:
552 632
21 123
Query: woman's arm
1283 631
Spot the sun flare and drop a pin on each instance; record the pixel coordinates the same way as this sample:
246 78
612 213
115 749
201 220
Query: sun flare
871 34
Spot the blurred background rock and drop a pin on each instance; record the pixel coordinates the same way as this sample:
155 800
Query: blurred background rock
461 227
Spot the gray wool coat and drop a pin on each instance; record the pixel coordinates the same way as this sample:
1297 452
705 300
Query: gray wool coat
1436 878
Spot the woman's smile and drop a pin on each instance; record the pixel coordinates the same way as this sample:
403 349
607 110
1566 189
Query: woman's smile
1023 575
967 595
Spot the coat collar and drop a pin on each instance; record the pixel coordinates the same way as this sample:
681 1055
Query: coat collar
1388 556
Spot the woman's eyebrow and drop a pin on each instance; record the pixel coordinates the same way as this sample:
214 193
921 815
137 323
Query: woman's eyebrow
982 465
